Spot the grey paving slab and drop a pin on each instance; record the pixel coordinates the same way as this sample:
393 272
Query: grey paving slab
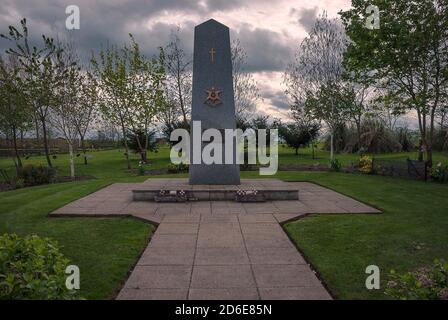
268 276
218 249
267 240
178 228
159 277
266 255
256 218
167 256
221 256
230 239
295 293
261 228
211 277
208 218
153 294
170 240
178 218
224 294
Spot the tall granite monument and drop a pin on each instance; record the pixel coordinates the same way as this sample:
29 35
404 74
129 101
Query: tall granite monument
213 101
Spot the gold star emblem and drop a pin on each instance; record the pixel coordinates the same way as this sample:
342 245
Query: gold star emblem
213 96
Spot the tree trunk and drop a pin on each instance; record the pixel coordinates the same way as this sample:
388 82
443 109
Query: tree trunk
83 148
72 161
431 132
181 99
420 151
47 152
313 151
37 131
144 156
429 156
358 132
331 145
297 151
123 129
19 161
140 147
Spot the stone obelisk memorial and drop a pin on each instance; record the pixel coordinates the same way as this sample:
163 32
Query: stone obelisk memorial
213 101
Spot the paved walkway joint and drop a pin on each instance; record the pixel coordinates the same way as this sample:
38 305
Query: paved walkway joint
219 249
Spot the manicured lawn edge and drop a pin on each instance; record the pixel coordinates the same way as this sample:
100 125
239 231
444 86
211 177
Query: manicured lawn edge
116 292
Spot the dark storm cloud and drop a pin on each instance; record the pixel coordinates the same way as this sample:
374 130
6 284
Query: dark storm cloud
306 17
102 21
277 99
267 50
110 21
213 5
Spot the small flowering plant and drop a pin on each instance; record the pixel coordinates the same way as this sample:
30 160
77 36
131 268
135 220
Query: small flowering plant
141 168
365 165
427 283
439 173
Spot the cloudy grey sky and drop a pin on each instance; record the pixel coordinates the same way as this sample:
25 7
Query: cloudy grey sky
269 30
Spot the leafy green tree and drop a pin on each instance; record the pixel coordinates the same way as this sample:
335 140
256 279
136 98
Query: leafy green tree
407 55
141 135
296 135
131 90
15 114
40 66
261 122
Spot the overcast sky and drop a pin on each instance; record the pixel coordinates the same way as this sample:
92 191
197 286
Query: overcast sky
269 30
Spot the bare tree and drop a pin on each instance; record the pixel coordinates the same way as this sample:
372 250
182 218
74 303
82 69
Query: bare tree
315 77
442 116
87 108
179 77
244 86
67 108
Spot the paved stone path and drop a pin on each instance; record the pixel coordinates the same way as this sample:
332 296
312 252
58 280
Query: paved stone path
218 249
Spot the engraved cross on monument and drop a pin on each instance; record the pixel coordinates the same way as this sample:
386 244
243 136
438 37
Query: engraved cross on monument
213 100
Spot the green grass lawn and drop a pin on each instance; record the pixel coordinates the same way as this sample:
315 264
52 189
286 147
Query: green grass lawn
111 164
103 165
412 231
105 249
340 247
288 156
